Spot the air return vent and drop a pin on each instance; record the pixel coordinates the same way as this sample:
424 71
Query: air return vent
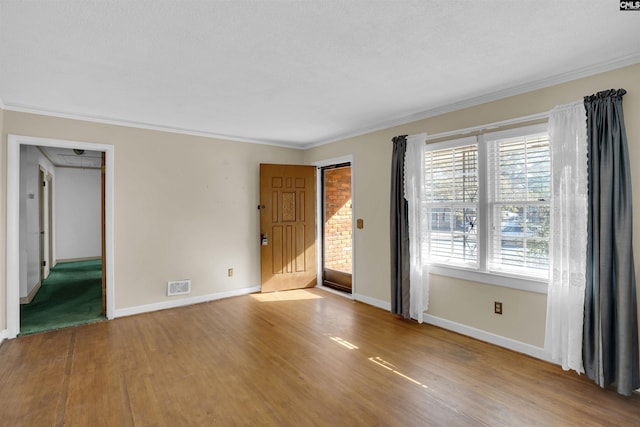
178 287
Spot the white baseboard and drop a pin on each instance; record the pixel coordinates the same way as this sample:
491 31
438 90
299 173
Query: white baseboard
91 258
4 334
130 311
372 301
511 344
31 295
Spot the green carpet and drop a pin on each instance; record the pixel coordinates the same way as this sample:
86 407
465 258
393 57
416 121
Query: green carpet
71 295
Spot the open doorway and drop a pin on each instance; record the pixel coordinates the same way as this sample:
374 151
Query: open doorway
20 255
69 290
337 227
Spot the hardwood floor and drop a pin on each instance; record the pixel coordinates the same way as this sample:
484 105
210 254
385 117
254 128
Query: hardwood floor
292 358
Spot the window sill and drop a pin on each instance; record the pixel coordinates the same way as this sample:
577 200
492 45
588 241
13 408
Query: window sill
515 282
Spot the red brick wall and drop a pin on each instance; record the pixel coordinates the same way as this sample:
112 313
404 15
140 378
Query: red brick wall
337 226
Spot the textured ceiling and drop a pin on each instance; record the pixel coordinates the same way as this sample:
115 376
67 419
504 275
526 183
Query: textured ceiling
295 73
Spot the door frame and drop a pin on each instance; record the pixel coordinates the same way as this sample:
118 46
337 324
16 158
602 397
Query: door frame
44 211
50 180
13 221
319 237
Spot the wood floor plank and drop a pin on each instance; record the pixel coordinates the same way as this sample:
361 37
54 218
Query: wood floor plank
32 379
298 358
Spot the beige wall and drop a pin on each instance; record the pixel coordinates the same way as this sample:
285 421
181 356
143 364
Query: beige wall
185 206
461 301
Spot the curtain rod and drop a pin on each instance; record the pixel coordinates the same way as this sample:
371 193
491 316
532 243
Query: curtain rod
489 126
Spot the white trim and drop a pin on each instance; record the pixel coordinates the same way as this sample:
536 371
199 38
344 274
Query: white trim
333 161
492 278
13 238
511 344
174 303
489 97
354 229
452 143
32 294
4 334
92 258
109 215
13 220
540 128
372 301
143 125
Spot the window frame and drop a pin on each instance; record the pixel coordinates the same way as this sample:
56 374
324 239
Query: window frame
482 273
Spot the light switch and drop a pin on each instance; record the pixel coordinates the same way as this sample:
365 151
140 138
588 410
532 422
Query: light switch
360 223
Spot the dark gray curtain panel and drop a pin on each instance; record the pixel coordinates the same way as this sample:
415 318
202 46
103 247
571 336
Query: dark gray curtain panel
400 294
610 341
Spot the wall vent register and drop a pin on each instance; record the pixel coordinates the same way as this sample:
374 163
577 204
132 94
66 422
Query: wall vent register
178 287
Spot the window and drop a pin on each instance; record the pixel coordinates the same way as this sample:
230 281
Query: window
488 204
519 193
451 189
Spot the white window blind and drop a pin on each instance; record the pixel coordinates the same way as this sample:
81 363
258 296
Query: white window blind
519 194
451 190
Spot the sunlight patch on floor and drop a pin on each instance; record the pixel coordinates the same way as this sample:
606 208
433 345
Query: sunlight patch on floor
294 295
344 343
386 365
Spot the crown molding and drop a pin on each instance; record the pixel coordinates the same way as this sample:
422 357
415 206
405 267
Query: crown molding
141 125
489 97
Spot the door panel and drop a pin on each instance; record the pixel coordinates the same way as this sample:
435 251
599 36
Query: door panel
287 227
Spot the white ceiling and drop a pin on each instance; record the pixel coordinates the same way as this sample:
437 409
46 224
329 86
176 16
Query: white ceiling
296 73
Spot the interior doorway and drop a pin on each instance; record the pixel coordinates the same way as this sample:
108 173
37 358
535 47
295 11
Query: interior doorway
15 257
69 289
337 227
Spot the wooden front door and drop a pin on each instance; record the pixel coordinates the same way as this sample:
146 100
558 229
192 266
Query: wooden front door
287 227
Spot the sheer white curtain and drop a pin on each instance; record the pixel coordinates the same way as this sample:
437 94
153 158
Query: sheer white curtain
414 193
568 242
